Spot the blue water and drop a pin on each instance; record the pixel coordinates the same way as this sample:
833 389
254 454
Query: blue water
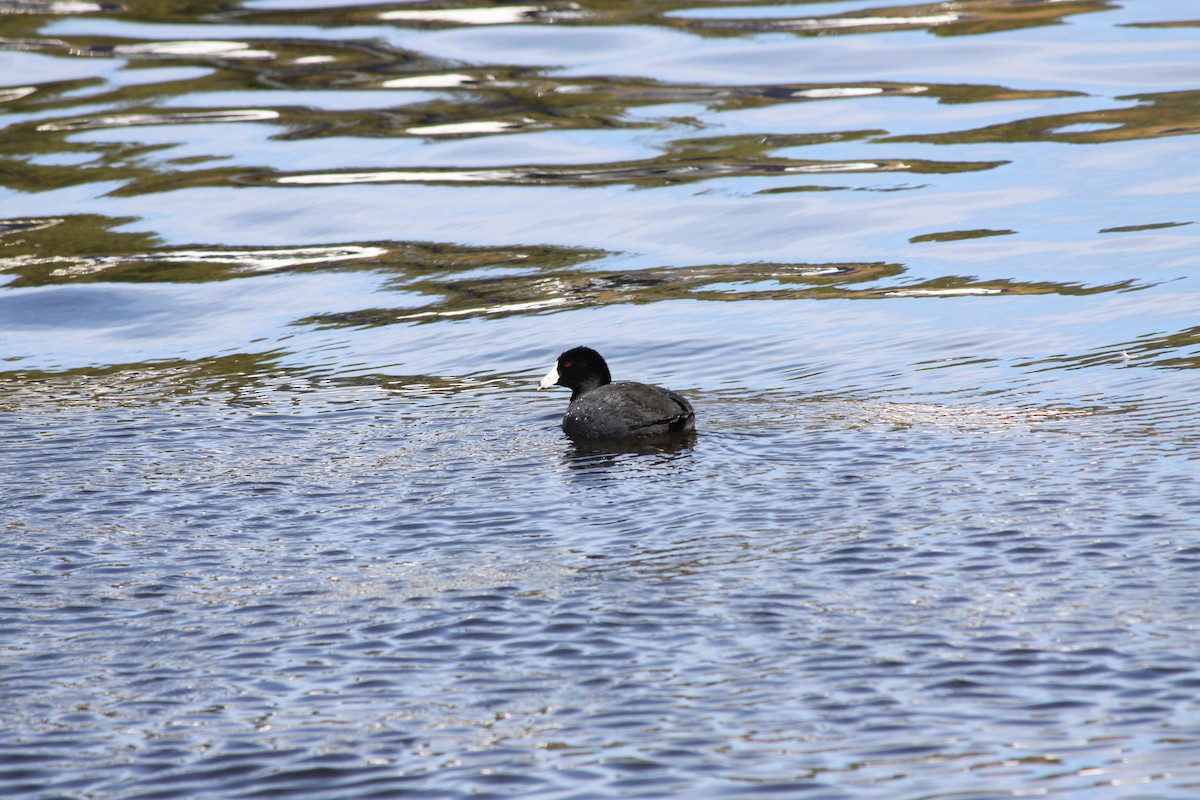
284 514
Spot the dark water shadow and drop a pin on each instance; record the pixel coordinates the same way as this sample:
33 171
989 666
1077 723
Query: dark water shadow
586 455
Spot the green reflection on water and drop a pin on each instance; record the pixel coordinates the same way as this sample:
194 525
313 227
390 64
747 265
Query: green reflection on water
1156 115
972 17
1171 351
568 289
954 236
471 281
84 248
239 378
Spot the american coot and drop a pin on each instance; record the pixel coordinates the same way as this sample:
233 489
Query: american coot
601 409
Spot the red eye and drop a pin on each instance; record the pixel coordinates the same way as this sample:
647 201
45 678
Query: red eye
566 365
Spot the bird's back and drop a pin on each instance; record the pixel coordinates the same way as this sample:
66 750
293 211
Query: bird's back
626 409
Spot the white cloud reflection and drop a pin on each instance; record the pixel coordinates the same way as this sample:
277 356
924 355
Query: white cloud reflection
243 261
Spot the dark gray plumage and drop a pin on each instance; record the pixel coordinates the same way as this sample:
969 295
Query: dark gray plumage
601 409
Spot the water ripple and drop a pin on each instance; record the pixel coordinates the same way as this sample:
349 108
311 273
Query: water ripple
284 513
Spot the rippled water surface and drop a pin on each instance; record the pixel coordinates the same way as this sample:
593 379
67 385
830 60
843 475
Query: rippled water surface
283 515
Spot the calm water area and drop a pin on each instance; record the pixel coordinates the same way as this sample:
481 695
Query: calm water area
283 515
